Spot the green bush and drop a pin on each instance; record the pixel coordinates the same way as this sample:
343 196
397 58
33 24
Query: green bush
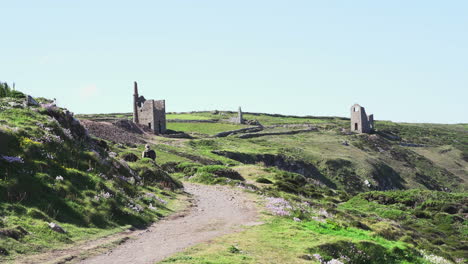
17 94
129 156
365 252
213 174
7 91
263 180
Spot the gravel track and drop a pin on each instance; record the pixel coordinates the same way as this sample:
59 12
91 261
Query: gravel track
216 210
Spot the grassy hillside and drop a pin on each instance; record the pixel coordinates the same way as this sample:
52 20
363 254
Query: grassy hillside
328 196
52 171
396 196
397 156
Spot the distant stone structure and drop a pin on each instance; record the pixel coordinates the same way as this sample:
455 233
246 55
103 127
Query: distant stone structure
149 113
240 119
360 121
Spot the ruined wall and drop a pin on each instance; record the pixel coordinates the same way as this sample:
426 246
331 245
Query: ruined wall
153 115
160 116
370 119
146 114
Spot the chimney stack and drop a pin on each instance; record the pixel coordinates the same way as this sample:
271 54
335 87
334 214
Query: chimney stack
135 104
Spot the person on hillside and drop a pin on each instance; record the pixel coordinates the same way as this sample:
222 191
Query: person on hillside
149 153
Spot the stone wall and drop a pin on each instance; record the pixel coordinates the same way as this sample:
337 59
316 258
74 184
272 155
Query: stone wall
160 116
146 114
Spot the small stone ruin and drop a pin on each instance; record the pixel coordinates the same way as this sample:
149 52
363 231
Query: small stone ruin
149 113
360 121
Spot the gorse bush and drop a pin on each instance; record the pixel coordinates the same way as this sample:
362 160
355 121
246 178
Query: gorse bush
7 91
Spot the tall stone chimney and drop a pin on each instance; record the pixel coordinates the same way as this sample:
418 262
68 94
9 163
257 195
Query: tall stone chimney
135 104
240 118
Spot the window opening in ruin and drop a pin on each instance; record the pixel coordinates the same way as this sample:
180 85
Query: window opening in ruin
149 124
355 126
356 109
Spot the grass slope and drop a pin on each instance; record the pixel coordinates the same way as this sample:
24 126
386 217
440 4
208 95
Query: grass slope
52 171
396 196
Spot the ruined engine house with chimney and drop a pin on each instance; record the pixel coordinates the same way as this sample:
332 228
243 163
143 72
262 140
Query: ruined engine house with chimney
149 113
360 121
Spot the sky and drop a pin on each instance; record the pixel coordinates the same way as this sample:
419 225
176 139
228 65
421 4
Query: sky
404 61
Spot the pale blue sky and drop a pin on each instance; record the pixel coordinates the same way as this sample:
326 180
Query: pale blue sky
402 60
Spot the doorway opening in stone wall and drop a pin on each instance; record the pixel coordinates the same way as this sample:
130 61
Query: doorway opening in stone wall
355 126
149 125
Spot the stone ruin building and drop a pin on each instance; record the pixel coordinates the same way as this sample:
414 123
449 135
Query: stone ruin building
240 118
360 121
149 113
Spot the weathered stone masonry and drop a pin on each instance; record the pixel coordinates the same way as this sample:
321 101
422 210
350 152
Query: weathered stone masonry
360 121
149 113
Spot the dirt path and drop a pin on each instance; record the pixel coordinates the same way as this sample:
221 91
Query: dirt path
217 210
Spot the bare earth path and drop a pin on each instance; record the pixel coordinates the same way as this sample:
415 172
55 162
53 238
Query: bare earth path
217 210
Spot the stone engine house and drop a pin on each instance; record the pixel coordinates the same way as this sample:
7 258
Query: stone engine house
149 113
360 121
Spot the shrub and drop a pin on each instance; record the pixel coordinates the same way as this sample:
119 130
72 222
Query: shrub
221 171
152 174
17 94
263 180
188 168
129 156
215 174
35 213
363 252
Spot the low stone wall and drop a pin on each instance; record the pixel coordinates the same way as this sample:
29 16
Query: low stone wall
293 132
238 131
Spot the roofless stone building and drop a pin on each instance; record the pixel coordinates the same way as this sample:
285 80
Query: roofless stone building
149 113
360 121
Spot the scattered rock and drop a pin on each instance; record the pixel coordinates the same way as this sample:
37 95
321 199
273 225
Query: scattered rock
4 252
103 144
130 157
252 122
16 233
57 228
118 133
307 257
30 101
15 105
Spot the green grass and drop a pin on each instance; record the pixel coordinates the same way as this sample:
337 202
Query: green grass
188 117
282 241
275 120
428 213
203 128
